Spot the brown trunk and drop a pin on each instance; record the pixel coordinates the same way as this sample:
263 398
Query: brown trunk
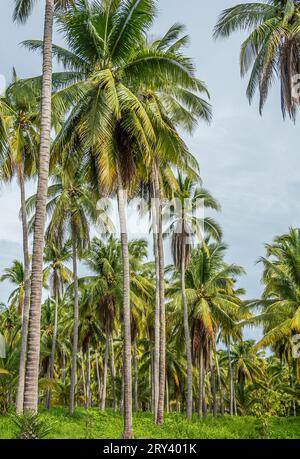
186 329
127 370
106 355
25 311
34 328
135 398
75 328
162 330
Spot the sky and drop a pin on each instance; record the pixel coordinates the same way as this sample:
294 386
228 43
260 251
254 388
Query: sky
249 163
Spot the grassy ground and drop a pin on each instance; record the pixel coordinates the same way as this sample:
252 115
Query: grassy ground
97 424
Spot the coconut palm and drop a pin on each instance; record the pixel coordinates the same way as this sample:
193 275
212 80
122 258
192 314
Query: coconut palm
58 275
19 145
271 50
209 287
23 9
184 226
71 206
106 65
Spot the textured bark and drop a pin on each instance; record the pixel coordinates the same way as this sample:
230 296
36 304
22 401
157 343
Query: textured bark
75 327
127 370
135 389
162 315
88 378
186 330
155 216
201 383
213 386
54 338
34 328
219 383
25 311
106 355
230 380
98 380
112 372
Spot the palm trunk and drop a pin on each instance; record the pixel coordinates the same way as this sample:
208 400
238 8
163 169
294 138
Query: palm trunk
200 404
83 377
98 380
127 371
106 355
213 386
135 389
230 379
204 395
34 328
162 315
112 372
63 373
219 383
25 311
54 337
76 322
167 395
155 214
88 378
186 330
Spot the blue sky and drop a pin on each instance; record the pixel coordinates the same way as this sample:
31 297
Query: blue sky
250 163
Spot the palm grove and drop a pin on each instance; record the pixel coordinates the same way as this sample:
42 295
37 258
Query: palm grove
135 334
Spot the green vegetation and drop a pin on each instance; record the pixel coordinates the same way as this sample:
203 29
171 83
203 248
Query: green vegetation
135 335
97 424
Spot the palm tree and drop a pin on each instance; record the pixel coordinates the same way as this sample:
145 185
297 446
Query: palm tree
71 206
186 224
107 64
22 10
271 50
19 144
209 285
59 275
16 276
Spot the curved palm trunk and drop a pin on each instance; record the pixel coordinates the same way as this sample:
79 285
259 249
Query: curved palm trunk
155 216
25 311
127 370
162 314
33 354
106 355
186 327
75 327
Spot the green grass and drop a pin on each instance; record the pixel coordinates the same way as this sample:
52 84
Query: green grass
109 425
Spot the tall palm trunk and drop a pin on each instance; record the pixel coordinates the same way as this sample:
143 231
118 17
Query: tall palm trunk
112 372
155 216
127 370
201 374
54 337
162 315
219 383
186 328
135 389
88 378
213 386
98 380
75 326
34 327
231 386
106 355
25 311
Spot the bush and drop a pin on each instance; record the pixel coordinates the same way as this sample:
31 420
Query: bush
31 427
